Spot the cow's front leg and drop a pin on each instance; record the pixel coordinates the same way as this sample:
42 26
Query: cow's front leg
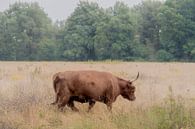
108 101
91 104
72 106
109 105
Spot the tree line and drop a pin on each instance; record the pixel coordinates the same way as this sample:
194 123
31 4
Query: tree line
149 31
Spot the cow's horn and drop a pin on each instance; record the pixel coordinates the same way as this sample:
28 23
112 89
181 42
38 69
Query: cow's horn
136 78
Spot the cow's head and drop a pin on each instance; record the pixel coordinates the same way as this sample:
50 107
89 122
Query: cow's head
128 89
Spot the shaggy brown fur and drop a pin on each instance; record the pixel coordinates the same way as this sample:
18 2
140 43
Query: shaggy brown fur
90 86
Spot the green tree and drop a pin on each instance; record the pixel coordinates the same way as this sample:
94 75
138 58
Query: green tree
189 50
149 27
177 28
8 38
151 30
24 28
80 30
115 35
3 47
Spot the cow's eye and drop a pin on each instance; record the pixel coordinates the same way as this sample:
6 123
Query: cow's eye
123 88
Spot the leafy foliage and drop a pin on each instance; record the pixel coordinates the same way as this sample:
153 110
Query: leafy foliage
24 26
151 31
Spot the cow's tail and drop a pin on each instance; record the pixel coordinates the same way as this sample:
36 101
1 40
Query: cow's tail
56 79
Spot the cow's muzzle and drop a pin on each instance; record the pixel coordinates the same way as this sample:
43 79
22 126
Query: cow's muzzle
132 98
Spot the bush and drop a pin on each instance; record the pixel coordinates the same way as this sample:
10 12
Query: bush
163 55
174 114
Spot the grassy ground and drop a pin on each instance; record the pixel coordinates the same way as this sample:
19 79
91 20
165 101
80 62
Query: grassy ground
165 97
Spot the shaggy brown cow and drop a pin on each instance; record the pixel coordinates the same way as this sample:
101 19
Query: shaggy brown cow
90 86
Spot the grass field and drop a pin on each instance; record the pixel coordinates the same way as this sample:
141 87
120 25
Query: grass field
165 97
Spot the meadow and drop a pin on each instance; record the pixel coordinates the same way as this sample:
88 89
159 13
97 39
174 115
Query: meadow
165 97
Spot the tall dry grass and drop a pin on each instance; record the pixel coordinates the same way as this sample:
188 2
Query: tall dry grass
165 97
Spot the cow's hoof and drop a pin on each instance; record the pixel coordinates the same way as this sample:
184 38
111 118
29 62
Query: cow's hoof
75 109
54 103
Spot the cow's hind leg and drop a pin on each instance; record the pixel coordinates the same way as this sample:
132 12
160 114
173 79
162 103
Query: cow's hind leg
72 106
62 102
56 101
91 104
